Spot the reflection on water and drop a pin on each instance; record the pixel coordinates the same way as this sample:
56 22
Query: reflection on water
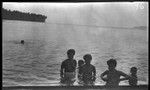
37 62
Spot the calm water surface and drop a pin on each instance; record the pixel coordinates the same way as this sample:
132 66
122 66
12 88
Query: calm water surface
37 62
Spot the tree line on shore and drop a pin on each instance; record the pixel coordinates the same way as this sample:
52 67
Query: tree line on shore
17 15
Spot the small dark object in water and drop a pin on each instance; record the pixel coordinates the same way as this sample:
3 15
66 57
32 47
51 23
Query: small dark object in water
22 41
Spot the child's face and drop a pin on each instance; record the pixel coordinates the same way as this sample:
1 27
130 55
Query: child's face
111 67
70 56
87 61
133 71
81 63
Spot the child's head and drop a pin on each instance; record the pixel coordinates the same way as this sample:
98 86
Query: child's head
70 53
80 63
133 70
111 64
87 58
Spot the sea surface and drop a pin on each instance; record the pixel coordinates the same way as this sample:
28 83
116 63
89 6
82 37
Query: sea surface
38 61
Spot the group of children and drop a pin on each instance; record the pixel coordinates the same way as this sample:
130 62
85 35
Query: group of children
87 72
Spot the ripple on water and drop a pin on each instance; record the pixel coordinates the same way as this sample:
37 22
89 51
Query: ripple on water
38 60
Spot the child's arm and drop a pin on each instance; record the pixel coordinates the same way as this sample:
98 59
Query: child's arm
62 70
94 71
126 77
102 76
75 62
94 74
122 79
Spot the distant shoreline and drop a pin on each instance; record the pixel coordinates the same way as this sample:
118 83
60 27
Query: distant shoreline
22 21
141 27
22 16
134 27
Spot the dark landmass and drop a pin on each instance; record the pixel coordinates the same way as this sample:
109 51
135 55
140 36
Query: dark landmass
140 27
17 15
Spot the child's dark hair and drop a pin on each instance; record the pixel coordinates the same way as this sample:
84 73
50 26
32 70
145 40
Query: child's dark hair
112 62
71 51
133 69
87 56
80 62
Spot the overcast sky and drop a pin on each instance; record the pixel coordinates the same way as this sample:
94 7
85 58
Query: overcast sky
116 14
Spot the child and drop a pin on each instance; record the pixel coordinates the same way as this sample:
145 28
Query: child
68 68
80 63
133 77
112 75
88 71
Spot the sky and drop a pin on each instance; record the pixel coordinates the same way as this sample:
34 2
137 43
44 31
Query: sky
114 14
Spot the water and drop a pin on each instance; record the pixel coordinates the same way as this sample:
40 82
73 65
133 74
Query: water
37 62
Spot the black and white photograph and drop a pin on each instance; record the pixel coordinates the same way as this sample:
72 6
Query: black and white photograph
99 45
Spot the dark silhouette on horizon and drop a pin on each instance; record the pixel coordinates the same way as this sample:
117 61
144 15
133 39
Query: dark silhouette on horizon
17 15
68 68
22 41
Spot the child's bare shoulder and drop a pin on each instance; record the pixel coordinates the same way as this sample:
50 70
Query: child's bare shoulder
120 72
92 66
